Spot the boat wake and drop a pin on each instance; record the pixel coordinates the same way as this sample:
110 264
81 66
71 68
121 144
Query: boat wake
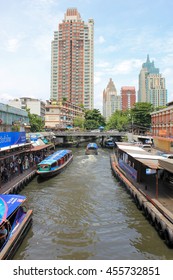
89 158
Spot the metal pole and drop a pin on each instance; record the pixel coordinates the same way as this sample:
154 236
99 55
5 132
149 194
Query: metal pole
157 184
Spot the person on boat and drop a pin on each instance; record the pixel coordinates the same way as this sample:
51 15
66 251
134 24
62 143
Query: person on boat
3 235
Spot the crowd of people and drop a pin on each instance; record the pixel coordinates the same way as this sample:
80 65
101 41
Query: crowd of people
12 167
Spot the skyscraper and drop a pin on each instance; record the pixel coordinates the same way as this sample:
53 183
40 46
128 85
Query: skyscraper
111 101
72 62
152 87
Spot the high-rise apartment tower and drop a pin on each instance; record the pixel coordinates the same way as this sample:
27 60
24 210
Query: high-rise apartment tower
152 87
72 62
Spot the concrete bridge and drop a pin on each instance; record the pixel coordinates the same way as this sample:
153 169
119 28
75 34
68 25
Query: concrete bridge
89 133
77 137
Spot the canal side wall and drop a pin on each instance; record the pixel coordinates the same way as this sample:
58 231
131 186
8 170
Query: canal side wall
157 215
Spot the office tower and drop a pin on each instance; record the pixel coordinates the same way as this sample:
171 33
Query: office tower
152 87
72 61
128 97
111 101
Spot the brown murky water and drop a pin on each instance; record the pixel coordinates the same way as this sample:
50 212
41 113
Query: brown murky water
84 213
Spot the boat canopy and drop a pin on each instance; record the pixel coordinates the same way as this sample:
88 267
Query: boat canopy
54 157
8 204
92 145
146 158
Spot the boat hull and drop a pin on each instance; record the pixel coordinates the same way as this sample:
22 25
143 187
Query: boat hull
16 238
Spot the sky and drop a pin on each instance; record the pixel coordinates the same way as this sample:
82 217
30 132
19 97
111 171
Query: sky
124 33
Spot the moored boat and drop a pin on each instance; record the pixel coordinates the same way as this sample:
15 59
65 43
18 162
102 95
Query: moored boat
15 222
54 164
91 148
142 173
109 143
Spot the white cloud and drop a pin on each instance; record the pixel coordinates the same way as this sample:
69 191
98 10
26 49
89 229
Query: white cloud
13 45
43 44
127 66
102 64
5 97
101 39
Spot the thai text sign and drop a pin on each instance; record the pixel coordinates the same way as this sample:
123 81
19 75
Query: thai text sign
12 138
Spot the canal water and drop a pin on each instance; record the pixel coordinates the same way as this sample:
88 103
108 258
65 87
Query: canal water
84 213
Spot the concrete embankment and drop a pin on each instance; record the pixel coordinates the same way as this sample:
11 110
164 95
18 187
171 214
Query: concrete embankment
158 215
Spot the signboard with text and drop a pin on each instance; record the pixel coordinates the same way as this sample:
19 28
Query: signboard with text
12 138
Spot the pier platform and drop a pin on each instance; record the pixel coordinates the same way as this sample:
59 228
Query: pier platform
17 183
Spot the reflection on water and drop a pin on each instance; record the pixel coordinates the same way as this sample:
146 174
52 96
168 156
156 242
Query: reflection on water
84 213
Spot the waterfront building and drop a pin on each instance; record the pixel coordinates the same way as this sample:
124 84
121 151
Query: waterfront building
162 128
111 101
13 119
128 97
72 61
152 88
35 106
61 114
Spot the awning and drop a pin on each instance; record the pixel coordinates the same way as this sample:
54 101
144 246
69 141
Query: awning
39 148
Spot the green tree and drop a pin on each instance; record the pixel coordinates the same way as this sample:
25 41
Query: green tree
78 122
36 122
93 119
140 114
119 120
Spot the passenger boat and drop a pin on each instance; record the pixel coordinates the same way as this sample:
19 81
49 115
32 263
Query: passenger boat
91 149
143 175
109 143
54 164
15 222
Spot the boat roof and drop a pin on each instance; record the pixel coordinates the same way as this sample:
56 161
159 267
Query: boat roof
93 145
146 158
138 152
54 157
8 204
166 164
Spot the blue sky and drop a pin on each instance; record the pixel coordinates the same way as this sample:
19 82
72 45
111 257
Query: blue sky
125 32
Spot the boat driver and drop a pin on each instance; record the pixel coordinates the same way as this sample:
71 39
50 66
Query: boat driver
3 235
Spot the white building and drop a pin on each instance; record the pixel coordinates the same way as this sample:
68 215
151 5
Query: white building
36 106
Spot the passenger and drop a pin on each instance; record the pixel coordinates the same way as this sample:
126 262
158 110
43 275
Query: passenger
3 235
5 175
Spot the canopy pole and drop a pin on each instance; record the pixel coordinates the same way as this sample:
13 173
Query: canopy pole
157 184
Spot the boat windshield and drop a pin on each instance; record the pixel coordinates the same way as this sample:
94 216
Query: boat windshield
44 167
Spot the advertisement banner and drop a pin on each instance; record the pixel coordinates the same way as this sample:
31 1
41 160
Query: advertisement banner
12 138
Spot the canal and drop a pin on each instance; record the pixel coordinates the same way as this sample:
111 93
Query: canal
85 214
